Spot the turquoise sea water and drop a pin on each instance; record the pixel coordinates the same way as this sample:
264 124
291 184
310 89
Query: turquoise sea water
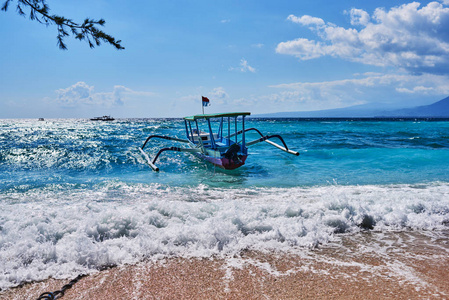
77 196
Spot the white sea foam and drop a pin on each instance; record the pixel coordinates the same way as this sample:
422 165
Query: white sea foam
64 230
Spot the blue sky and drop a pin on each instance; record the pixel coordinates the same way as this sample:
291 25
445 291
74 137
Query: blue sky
257 56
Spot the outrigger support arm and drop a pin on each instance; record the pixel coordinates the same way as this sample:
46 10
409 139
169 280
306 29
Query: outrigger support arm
147 158
241 131
176 149
165 138
151 163
266 139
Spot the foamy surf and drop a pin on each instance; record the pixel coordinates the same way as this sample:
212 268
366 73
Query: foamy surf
62 230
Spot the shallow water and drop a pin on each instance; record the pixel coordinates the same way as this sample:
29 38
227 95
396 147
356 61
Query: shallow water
77 196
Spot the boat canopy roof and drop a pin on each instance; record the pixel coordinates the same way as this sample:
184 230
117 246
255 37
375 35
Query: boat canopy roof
208 116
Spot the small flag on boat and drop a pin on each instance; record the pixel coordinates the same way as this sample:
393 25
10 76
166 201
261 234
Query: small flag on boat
205 101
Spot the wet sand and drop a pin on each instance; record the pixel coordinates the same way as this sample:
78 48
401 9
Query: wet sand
367 265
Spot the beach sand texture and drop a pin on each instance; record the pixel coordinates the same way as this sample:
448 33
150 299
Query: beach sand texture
370 265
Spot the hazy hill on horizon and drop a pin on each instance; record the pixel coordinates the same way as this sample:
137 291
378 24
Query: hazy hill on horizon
439 109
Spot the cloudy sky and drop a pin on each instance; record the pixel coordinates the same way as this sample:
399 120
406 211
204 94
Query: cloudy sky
259 56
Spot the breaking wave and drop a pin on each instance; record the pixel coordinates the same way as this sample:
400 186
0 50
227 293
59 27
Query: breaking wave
63 230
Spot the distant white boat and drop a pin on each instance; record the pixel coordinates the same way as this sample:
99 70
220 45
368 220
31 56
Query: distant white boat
103 118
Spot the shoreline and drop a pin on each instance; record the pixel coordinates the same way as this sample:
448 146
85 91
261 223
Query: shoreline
372 265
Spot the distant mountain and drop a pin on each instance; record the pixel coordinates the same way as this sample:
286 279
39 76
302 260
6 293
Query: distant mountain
435 110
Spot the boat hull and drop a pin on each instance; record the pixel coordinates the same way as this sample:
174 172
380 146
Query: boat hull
224 163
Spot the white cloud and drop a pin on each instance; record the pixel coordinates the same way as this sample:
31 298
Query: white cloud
244 67
370 88
217 96
362 89
304 49
82 94
359 17
423 84
395 90
219 93
409 37
306 20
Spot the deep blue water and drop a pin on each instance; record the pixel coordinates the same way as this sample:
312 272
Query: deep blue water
77 195
345 152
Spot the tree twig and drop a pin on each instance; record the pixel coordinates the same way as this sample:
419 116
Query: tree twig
39 11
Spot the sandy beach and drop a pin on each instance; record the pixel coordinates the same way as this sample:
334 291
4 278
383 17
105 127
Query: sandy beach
402 265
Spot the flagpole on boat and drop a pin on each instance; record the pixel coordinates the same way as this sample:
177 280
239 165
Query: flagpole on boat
204 102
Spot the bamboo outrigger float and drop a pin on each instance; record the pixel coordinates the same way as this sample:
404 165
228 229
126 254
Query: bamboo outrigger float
227 148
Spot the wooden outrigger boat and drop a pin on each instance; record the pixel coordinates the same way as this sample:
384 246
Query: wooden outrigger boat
217 138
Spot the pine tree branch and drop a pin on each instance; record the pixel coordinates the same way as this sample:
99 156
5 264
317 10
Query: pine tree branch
39 11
